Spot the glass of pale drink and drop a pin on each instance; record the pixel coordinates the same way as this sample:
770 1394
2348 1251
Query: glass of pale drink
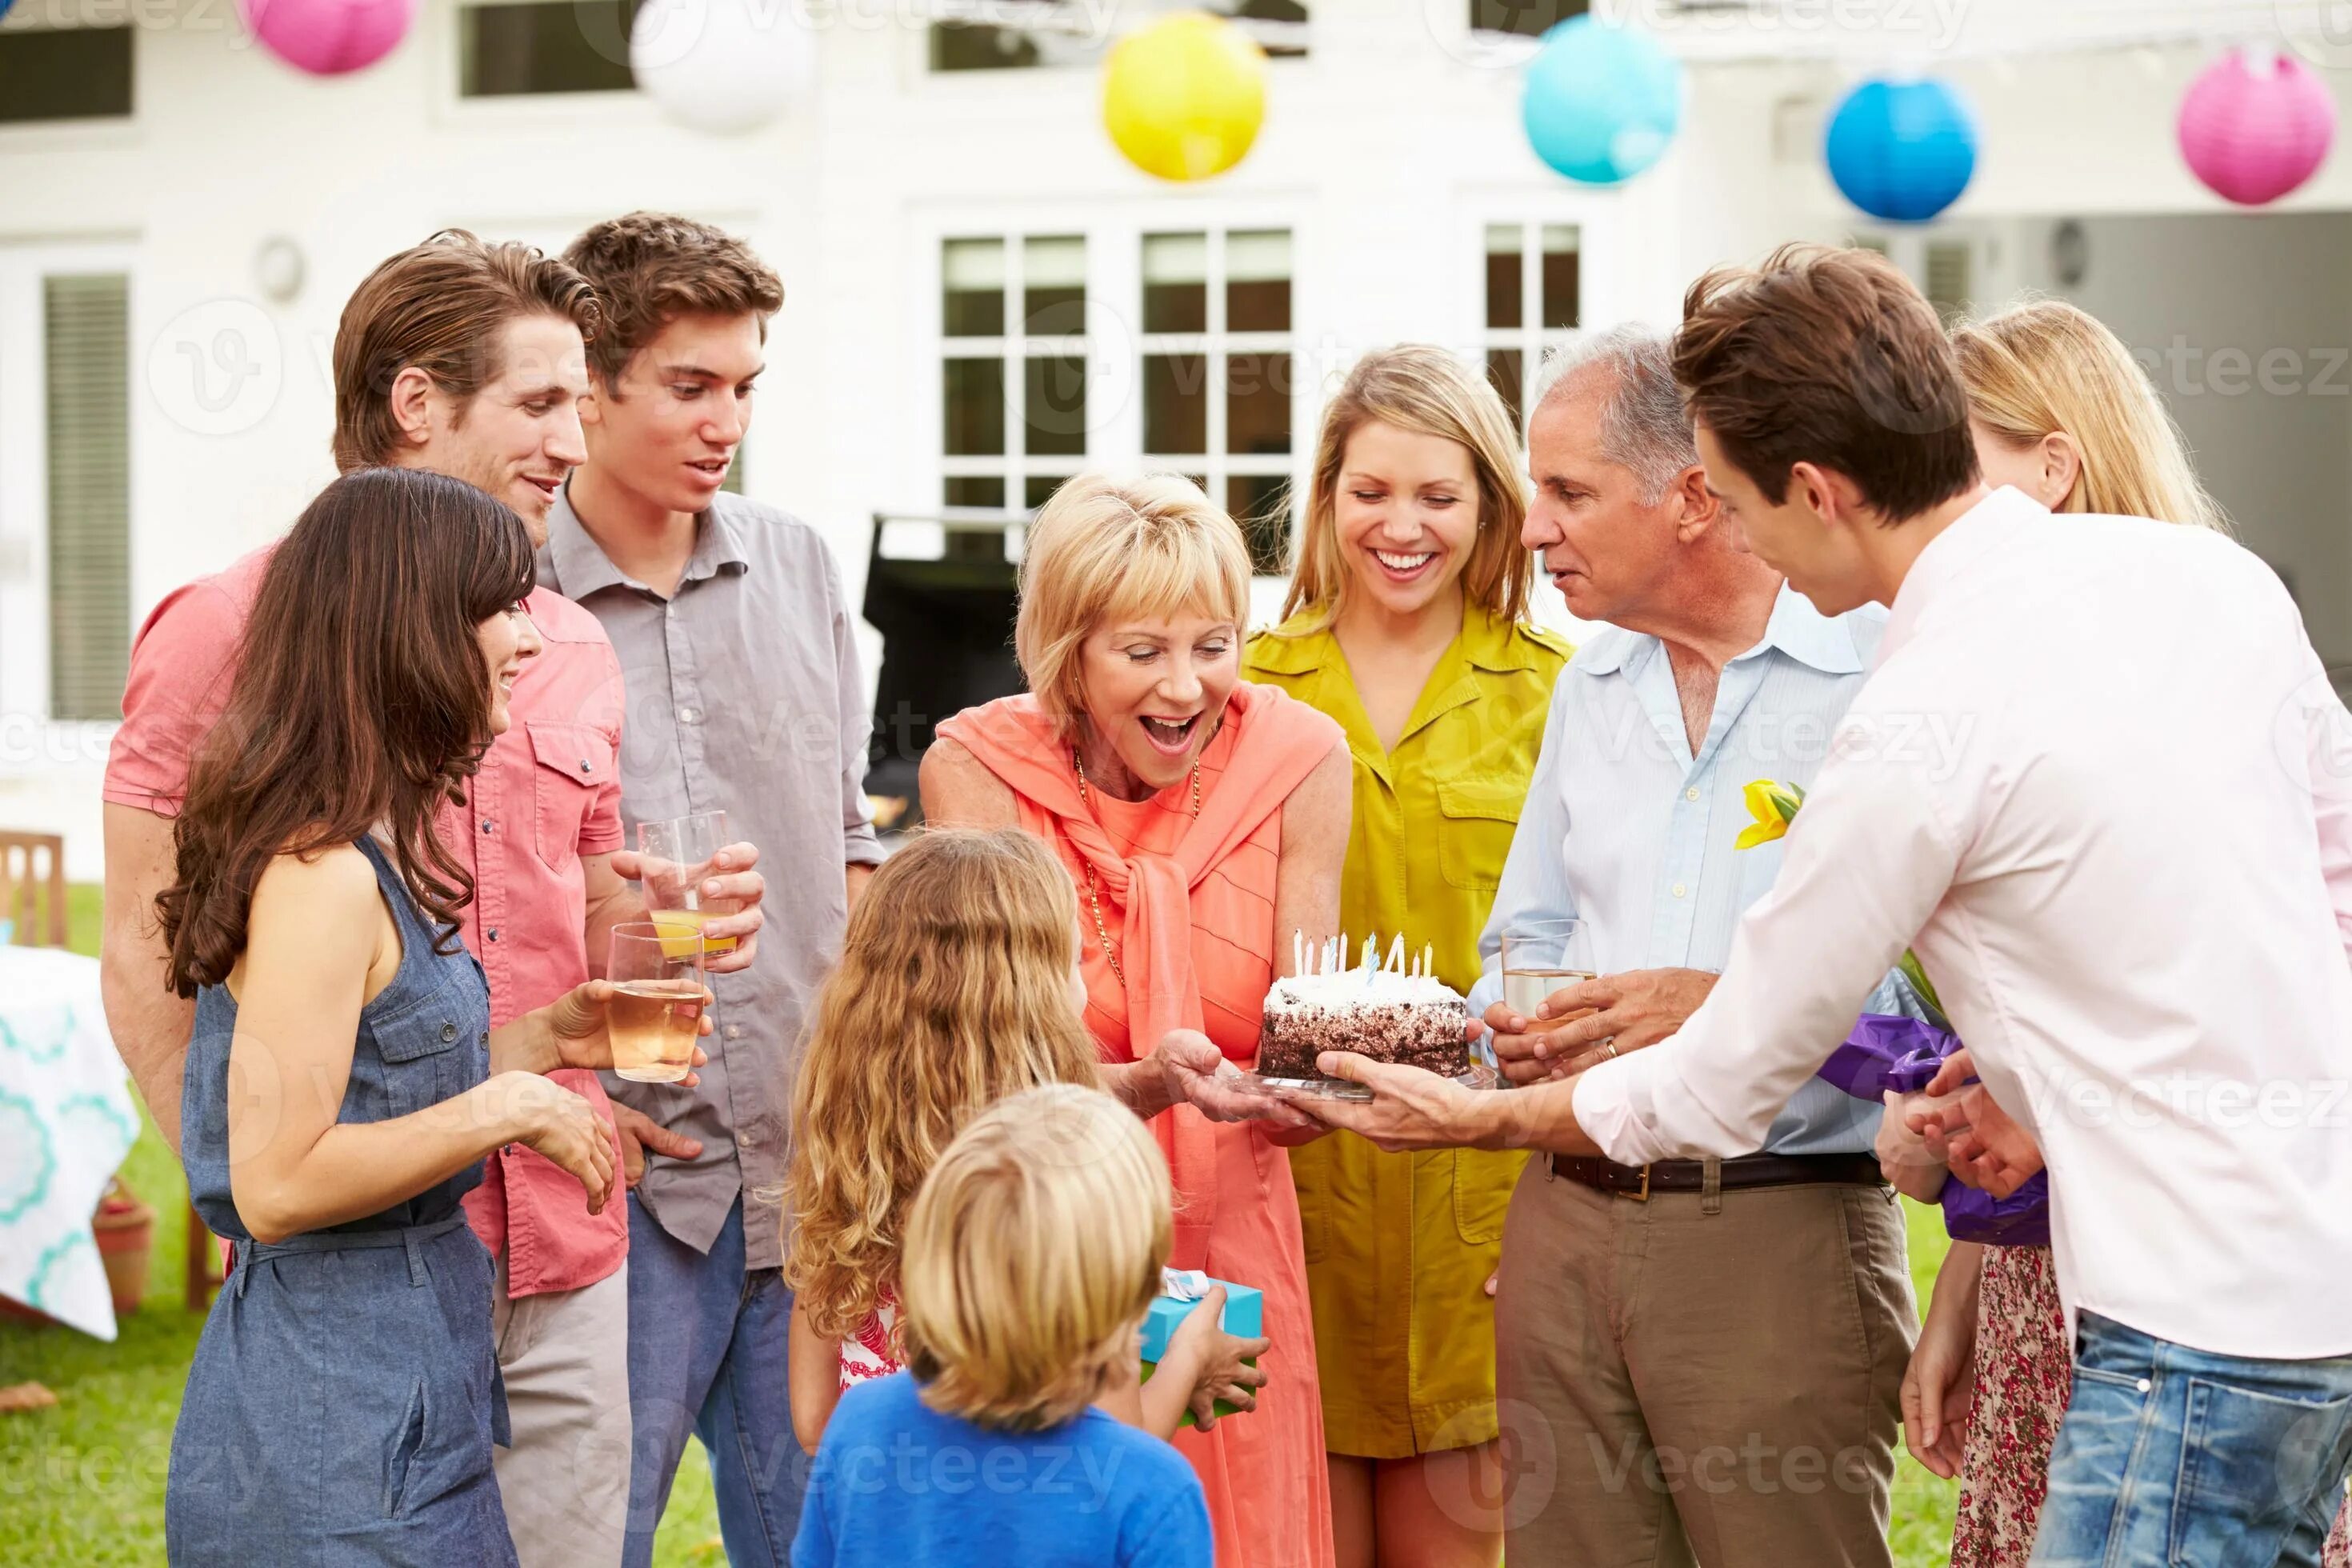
675 857
1541 957
656 1012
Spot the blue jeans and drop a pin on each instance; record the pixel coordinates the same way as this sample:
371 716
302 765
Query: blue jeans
2172 1457
706 1343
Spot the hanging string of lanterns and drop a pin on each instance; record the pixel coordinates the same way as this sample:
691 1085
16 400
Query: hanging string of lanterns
1184 97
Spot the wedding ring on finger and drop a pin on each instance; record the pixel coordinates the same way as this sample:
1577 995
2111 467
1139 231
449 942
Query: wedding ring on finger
1609 1047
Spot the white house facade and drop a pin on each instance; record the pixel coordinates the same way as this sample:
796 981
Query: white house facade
983 298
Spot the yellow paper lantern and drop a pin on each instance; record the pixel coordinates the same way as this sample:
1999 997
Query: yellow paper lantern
1184 99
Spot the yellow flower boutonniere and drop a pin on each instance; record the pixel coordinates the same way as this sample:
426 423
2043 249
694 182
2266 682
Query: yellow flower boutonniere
1774 806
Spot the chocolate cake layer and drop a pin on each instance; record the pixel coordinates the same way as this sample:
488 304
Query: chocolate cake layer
1420 1035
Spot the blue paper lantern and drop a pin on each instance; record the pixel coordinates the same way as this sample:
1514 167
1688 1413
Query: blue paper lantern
1902 151
1601 103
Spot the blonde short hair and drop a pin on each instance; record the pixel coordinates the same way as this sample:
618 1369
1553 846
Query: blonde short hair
1429 391
1032 1254
2045 366
1103 549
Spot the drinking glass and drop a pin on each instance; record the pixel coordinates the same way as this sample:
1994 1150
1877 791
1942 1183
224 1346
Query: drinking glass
1541 957
656 1007
675 857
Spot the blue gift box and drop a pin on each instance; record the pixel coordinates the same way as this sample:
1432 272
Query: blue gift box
1244 1318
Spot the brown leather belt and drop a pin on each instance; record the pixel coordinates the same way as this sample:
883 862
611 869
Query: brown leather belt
1641 1181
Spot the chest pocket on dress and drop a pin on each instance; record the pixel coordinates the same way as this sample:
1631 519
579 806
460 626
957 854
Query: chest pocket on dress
574 761
1475 824
433 1051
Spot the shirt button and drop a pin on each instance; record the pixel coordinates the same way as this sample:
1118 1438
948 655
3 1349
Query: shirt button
494 933
1691 794
689 716
1680 890
746 1141
731 1032
586 766
448 1033
488 827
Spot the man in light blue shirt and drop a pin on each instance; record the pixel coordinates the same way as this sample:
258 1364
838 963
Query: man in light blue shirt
1714 1350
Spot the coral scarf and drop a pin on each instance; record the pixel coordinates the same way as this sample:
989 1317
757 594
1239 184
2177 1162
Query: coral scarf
1275 742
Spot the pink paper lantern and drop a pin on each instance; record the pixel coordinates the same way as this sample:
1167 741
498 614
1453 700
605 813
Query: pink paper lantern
327 38
2256 124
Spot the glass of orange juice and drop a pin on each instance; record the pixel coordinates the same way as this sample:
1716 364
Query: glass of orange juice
655 1011
675 858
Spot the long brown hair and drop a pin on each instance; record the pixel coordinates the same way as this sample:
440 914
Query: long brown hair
953 990
360 699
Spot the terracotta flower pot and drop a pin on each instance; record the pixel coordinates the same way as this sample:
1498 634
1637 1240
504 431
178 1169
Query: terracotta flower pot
125 1230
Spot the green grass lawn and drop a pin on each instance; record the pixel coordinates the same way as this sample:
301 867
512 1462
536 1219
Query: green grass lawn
83 1483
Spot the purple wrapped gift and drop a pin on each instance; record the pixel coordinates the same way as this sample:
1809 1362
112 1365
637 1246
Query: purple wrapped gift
1903 1054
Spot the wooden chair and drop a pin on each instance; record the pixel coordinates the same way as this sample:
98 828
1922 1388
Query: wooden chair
32 899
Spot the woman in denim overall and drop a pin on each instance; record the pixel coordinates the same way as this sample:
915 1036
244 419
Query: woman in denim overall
343 1083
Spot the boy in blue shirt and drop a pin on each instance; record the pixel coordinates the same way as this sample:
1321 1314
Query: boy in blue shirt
1030 1258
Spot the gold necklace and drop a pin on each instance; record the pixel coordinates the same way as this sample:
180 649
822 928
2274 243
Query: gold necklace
1093 890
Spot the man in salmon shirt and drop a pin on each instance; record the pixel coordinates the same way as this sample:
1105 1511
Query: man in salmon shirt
466 359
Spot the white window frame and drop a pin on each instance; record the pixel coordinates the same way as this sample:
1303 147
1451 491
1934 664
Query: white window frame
1114 232
441 31
47 743
1530 337
1217 346
1012 350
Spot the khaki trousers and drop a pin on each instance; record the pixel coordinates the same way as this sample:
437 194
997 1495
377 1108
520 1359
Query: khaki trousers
1700 1378
564 1357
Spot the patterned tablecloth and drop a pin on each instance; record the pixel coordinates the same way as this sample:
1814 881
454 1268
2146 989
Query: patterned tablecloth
67 1119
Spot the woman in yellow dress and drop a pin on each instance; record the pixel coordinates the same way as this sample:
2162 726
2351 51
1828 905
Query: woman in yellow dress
1406 623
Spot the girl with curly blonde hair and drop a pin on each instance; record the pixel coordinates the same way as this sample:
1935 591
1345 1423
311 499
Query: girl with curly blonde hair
957 988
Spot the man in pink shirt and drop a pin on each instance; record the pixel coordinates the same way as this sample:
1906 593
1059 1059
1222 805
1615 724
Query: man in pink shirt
468 360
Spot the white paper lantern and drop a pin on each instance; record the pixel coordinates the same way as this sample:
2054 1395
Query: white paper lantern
723 66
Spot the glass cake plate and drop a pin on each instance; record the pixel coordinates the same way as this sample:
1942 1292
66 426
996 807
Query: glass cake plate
1478 1075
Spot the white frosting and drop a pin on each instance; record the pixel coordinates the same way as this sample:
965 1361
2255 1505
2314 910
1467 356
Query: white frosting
1354 988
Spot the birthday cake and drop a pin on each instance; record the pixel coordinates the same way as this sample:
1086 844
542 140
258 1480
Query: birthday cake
1390 1012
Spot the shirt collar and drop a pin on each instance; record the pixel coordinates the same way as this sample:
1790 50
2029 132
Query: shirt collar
1795 628
582 567
1809 637
1947 556
1487 641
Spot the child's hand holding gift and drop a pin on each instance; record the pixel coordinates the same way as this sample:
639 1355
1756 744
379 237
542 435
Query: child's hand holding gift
1216 1362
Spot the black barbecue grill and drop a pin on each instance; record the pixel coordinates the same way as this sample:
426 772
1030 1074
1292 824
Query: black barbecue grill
941 591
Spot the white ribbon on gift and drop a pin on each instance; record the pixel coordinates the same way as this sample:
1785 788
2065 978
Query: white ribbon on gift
1185 1284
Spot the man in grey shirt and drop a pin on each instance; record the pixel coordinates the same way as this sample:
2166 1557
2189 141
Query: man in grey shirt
744 696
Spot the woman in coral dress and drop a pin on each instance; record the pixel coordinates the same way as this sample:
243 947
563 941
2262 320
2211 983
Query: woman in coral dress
1203 821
